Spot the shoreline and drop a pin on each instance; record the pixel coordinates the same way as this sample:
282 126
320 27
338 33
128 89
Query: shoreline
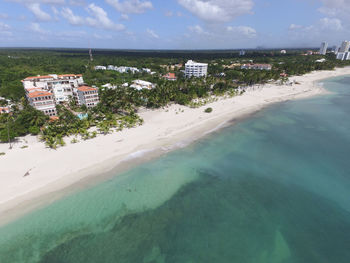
56 173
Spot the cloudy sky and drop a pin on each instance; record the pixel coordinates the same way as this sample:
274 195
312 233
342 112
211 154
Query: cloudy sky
173 24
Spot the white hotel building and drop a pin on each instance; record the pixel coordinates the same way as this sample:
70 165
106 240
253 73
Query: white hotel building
194 69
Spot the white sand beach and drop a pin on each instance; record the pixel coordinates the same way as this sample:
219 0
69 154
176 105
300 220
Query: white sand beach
52 170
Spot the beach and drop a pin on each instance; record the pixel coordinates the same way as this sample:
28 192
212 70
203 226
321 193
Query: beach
163 130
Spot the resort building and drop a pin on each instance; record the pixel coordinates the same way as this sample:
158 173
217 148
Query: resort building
45 92
194 69
60 85
170 76
42 100
123 69
141 84
86 95
257 66
323 49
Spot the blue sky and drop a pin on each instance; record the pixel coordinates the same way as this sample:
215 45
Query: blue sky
173 24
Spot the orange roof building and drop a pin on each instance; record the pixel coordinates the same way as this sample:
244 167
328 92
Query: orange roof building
40 93
86 95
86 89
170 76
62 86
44 92
42 100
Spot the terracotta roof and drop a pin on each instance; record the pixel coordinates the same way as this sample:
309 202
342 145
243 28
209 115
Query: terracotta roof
86 88
39 77
170 76
51 77
39 93
70 75
54 118
33 89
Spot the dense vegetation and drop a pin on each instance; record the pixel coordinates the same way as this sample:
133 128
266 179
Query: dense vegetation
118 107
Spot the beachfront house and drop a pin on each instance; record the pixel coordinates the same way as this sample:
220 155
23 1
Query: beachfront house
170 76
141 84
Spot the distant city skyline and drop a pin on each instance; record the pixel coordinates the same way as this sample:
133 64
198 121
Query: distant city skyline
173 24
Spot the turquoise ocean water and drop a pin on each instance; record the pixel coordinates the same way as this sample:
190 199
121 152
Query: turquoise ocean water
274 188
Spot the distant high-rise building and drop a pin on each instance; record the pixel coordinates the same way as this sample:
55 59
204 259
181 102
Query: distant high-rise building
335 49
323 49
242 53
344 47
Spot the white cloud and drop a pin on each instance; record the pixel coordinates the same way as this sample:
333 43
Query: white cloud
294 26
73 19
325 24
4 27
169 13
331 23
131 6
325 29
99 18
55 11
336 8
217 10
198 30
4 16
124 17
215 35
35 27
55 2
243 30
152 33
38 12
5 34
77 2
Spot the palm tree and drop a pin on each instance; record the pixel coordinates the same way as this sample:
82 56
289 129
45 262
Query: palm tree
51 142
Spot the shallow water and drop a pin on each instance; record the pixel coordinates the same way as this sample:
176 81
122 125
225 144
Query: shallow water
273 188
